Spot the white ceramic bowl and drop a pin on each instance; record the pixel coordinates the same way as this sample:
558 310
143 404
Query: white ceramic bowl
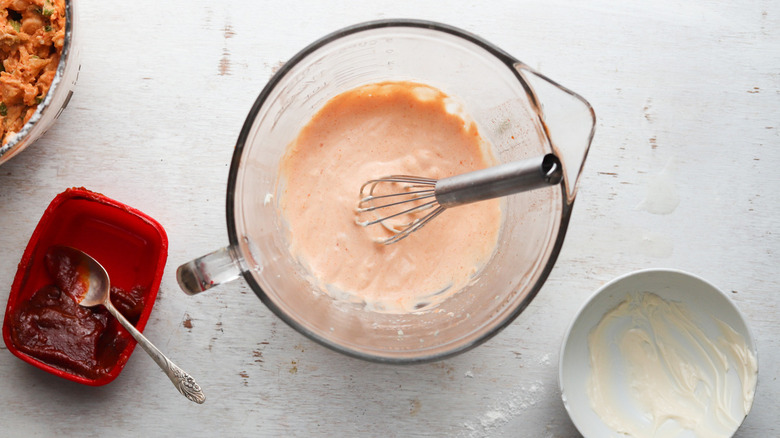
703 300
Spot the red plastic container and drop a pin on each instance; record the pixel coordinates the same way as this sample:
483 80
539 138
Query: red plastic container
132 247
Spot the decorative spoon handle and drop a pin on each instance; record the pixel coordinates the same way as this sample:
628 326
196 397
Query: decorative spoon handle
181 380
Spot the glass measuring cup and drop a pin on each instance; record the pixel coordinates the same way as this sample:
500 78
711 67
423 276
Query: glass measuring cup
519 111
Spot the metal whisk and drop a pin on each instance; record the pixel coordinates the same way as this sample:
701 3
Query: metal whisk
404 195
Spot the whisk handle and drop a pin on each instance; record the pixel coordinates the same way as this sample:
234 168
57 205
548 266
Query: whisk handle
497 181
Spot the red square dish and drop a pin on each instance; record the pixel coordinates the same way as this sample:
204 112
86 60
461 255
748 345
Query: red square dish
133 249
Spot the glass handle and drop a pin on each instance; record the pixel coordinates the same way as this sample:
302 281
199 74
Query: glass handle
203 273
569 122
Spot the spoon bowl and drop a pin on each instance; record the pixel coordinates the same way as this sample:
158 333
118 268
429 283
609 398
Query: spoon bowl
91 286
92 280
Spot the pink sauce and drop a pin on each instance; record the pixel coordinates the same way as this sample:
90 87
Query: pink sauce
369 132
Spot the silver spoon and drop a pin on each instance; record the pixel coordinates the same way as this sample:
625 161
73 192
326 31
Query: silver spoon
96 290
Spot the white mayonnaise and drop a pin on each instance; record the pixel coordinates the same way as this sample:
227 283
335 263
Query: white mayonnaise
656 373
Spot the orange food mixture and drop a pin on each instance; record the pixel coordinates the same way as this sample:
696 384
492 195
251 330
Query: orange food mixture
32 33
368 132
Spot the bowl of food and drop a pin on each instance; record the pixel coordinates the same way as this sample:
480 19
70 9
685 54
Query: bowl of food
39 53
396 97
45 326
658 352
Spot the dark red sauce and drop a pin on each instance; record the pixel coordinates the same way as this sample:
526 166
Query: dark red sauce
44 324
53 327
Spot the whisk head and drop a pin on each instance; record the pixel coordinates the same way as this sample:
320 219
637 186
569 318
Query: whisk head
402 204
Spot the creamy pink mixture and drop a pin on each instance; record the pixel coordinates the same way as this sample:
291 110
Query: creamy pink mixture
369 132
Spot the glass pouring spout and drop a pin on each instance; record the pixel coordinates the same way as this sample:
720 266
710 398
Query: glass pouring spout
568 120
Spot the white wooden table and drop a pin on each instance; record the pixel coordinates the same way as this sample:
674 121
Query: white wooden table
687 96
